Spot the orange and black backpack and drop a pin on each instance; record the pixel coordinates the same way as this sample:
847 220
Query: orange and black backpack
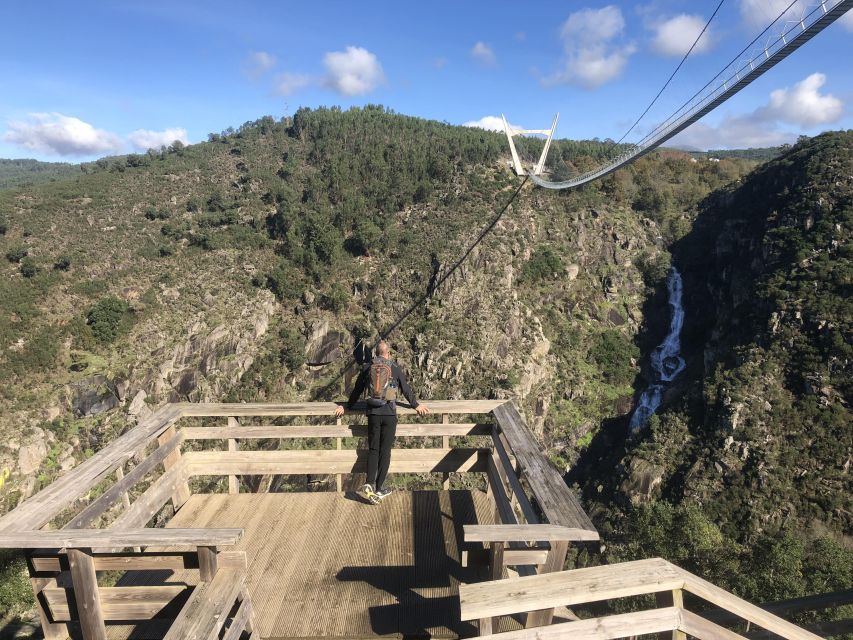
381 387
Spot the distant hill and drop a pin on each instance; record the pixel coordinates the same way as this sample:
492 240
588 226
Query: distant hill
760 155
24 172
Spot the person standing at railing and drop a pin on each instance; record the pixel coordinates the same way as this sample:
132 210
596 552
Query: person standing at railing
381 379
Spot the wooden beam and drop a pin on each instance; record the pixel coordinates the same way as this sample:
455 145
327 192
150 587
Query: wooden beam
140 561
698 627
206 612
578 586
233 484
786 607
117 603
496 572
242 409
524 533
555 561
38 510
119 490
675 599
512 557
215 463
182 489
556 500
57 539
259 432
240 621
622 625
498 492
153 499
86 595
515 484
207 563
713 594
51 628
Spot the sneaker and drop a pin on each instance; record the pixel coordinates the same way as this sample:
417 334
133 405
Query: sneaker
383 493
368 492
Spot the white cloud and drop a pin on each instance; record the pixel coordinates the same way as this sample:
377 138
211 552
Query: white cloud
593 55
802 105
760 13
847 20
482 53
674 37
61 135
288 83
353 72
490 123
258 63
145 139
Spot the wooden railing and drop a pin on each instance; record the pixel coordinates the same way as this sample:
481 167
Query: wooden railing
487 600
102 506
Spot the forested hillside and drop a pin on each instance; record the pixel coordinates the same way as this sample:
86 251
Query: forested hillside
746 476
250 266
22 173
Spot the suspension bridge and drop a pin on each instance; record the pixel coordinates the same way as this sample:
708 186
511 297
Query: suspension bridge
767 50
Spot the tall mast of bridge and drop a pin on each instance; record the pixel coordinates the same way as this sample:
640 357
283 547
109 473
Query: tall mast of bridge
511 131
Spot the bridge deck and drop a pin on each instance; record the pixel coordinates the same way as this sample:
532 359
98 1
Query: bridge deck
329 565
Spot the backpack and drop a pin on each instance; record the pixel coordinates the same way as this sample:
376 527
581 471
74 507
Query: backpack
381 388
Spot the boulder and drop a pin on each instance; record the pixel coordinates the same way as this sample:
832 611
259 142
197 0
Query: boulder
93 395
643 478
31 455
572 271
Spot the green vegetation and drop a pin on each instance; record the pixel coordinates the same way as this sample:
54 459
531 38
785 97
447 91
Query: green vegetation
109 319
24 173
544 264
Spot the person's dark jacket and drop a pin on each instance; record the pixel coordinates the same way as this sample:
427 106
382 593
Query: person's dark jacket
389 408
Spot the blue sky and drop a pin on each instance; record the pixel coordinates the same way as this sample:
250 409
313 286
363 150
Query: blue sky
86 79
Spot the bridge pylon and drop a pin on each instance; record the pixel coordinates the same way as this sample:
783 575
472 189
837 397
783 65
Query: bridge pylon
512 131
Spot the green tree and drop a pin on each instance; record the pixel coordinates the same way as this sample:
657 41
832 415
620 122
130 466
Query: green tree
109 319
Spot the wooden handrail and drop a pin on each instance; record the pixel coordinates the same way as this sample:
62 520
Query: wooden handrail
41 508
202 409
252 432
82 538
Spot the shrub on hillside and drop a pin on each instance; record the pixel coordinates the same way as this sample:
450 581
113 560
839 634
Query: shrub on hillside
292 353
28 268
544 264
62 263
613 352
109 319
152 213
16 254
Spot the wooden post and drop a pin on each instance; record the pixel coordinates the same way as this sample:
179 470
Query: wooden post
125 499
182 491
553 562
445 443
51 630
85 582
674 598
233 484
496 572
207 563
338 477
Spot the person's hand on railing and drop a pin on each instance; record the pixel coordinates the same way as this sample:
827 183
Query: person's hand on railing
422 409
339 411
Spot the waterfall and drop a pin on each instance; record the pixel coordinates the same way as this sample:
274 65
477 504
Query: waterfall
666 360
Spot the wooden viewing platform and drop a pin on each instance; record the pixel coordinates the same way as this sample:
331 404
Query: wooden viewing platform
234 557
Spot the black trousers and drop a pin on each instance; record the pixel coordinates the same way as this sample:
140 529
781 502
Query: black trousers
380 438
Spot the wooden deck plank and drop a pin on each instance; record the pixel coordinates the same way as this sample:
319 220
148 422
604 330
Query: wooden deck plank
556 500
328 564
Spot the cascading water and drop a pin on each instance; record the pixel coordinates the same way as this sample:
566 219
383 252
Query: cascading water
665 359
